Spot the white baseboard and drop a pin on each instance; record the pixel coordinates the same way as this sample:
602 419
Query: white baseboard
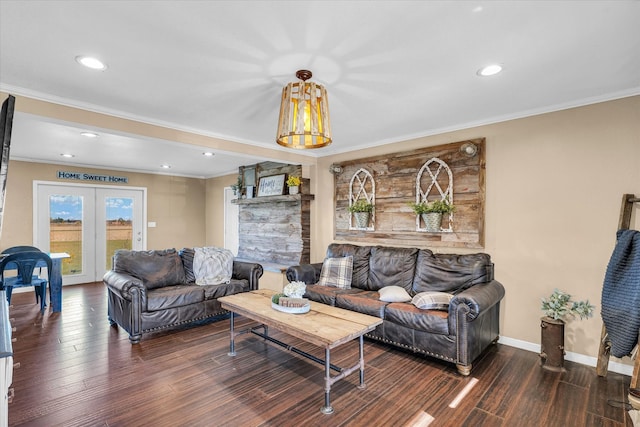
617 367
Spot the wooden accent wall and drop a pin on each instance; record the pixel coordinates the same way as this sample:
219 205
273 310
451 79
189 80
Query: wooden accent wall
395 177
276 229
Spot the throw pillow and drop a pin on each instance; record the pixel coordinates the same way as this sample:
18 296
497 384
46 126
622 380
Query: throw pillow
212 266
394 294
337 272
432 300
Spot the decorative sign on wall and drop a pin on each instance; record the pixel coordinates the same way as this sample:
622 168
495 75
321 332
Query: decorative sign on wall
412 176
271 185
84 176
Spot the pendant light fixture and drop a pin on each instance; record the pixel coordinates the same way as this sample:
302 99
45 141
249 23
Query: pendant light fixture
304 114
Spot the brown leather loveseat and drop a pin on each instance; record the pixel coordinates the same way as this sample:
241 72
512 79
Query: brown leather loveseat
154 290
456 332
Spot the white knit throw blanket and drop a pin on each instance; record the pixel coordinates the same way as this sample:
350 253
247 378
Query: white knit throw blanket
212 266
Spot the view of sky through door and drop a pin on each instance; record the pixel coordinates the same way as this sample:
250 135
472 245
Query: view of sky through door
65 230
66 215
119 225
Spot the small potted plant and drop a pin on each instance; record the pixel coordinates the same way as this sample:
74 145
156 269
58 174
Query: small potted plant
431 212
361 210
557 309
237 187
293 182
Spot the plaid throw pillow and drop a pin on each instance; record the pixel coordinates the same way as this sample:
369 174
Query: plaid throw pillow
432 300
337 272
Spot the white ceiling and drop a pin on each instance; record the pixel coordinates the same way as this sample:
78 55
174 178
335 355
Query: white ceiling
393 70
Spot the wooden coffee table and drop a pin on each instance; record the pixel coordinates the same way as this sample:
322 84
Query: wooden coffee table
324 326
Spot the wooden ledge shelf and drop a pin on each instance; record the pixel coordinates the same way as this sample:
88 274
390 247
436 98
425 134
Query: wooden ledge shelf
274 199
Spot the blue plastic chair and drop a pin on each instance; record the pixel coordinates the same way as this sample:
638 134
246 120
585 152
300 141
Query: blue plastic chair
14 249
25 262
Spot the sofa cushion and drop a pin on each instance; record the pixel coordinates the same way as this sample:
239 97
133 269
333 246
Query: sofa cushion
212 266
432 300
156 268
410 316
327 294
394 294
187 254
391 266
360 254
173 296
337 272
451 273
223 289
365 302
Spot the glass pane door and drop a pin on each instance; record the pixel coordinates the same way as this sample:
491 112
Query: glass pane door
119 225
65 230
119 214
66 223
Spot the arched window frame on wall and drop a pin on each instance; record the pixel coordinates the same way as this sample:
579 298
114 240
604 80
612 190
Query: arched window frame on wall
423 196
360 179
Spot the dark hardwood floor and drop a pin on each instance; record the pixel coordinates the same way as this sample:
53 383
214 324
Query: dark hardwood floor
76 370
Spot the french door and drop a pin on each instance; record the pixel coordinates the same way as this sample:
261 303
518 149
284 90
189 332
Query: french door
89 223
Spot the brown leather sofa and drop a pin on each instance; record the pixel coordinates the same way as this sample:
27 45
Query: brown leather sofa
458 335
153 290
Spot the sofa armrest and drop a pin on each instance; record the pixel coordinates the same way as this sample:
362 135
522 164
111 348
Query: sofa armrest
477 299
248 270
307 273
123 285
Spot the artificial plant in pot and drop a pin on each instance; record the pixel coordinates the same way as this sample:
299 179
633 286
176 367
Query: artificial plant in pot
237 187
431 212
293 182
361 210
558 308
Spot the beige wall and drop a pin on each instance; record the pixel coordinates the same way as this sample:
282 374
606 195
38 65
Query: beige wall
176 204
554 187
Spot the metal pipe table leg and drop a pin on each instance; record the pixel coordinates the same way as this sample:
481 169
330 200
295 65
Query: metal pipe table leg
232 345
327 409
362 385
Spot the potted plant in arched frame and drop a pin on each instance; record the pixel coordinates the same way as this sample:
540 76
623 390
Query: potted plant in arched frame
432 212
361 210
557 309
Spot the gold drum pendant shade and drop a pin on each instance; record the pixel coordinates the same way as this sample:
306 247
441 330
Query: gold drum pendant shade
304 115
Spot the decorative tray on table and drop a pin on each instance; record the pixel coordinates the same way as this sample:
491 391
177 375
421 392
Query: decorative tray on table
293 310
292 305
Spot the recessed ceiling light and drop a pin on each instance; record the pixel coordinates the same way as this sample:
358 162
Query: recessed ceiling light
489 70
208 154
89 134
67 155
91 62
165 166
